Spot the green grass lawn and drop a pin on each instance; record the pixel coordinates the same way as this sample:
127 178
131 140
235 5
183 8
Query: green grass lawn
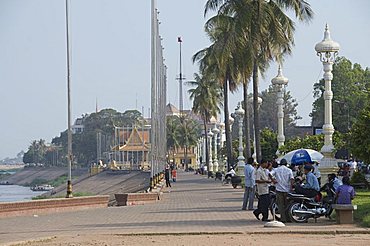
362 214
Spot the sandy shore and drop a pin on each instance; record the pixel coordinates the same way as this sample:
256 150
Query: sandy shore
225 239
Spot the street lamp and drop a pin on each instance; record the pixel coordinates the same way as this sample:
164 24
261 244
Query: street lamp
210 135
280 82
327 50
215 132
239 113
259 102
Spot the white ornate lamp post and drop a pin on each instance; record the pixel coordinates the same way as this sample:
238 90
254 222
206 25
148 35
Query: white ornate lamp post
239 113
215 132
280 82
250 100
327 50
210 135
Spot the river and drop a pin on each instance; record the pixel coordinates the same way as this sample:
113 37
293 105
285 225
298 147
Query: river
13 193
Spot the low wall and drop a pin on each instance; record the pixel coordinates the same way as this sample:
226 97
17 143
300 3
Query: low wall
8 209
130 199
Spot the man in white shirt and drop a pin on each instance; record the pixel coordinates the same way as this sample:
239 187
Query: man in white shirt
250 176
262 181
284 182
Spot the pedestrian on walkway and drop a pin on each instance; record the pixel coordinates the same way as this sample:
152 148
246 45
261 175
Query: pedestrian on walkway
284 183
250 182
167 175
174 174
262 181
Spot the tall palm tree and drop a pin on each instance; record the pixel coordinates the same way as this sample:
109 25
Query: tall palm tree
267 32
218 61
188 133
207 97
172 134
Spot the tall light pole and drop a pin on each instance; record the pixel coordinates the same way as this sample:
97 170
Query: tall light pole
239 113
210 135
280 82
327 50
69 131
215 132
250 100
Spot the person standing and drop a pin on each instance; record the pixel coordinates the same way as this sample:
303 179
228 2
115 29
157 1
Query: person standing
262 181
167 175
250 182
284 182
174 174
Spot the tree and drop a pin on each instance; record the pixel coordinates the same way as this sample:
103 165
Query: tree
207 97
188 133
269 108
350 86
266 33
268 143
172 123
360 135
216 61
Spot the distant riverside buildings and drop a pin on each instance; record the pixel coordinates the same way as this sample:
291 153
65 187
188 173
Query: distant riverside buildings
78 126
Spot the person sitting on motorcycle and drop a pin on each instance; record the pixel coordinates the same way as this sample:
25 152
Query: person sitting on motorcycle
332 185
311 188
230 173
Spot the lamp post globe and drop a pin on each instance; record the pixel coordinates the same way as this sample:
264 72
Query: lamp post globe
327 50
279 82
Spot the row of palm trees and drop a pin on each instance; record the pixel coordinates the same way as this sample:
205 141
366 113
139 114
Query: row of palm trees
245 35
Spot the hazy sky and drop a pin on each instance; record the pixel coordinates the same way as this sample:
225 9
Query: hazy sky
111 58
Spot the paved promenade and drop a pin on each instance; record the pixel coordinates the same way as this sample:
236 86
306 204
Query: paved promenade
194 204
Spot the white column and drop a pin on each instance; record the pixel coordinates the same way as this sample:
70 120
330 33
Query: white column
239 112
215 160
280 116
210 135
328 128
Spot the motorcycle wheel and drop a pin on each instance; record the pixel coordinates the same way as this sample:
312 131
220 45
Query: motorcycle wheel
295 217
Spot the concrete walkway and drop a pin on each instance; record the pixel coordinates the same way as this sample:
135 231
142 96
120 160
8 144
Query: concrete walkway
194 204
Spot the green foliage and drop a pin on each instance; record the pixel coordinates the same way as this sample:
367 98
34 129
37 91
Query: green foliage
314 142
358 177
360 135
269 144
84 144
59 181
268 110
350 86
362 214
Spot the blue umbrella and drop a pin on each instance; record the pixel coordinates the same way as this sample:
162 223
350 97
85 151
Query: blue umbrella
301 156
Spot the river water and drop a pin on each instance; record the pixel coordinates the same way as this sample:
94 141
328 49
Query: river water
13 193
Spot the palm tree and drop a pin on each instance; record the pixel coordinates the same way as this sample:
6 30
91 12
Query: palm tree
218 61
188 133
206 98
172 134
265 32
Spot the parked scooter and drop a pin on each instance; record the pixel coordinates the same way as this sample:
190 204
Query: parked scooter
302 208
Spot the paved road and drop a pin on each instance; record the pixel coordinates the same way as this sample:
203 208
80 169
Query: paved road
193 204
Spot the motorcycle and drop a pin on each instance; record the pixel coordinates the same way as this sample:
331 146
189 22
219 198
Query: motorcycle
302 208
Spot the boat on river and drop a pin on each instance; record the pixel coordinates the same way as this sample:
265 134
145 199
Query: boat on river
46 187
